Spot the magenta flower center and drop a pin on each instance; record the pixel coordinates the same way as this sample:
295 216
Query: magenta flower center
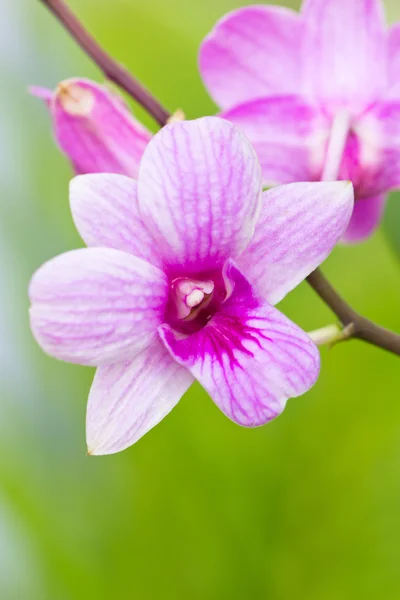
193 301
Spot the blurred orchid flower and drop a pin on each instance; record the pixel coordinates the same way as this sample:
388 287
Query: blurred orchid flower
94 128
317 93
179 281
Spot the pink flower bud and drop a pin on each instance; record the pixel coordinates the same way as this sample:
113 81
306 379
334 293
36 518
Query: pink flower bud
94 128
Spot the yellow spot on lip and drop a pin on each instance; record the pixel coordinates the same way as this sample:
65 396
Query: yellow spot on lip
74 99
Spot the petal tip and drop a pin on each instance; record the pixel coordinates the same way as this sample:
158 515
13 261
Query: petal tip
40 92
344 192
347 183
96 449
99 447
75 100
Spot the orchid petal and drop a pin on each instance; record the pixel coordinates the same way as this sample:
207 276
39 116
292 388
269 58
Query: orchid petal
105 211
372 155
95 130
387 135
252 52
250 358
394 61
344 50
365 219
288 135
128 399
199 193
300 224
96 305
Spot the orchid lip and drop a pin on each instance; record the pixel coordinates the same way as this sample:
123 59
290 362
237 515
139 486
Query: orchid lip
193 301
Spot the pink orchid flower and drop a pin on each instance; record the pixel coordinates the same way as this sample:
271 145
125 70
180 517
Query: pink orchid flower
94 128
179 281
317 93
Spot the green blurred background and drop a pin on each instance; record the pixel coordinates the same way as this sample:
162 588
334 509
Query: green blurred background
306 507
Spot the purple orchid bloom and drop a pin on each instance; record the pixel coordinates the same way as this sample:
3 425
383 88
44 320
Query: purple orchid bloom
94 128
317 93
179 281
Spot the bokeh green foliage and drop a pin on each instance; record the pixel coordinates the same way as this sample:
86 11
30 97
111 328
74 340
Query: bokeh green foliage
306 507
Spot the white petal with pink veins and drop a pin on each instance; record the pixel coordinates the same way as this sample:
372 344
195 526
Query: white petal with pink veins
96 305
288 134
252 52
199 193
344 51
299 226
106 213
128 399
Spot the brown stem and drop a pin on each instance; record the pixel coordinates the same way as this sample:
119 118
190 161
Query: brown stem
361 328
111 69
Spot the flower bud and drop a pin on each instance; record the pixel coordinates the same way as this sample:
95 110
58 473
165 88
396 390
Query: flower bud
94 128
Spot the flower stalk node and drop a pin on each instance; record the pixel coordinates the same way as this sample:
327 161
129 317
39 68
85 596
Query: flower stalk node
177 116
325 335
